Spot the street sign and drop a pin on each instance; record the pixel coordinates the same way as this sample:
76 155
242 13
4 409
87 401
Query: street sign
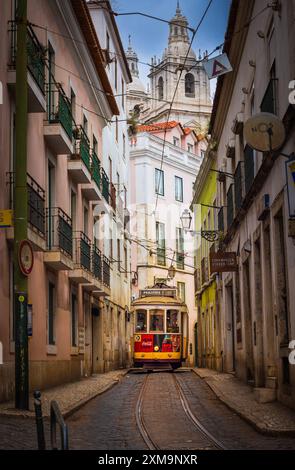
290 176
6 218
25 257
217 66
223 262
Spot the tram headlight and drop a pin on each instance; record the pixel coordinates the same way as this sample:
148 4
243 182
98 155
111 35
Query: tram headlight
156 348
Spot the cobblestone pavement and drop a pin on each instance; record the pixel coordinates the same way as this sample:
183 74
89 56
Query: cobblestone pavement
69 396
108 422
272 417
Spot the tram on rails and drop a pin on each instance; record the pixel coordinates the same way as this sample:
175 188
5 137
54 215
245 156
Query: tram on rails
161 328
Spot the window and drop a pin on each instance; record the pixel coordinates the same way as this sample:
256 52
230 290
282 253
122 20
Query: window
161 244
141 321
190 85
157 320
181 290
178 189
159 183
190 148
179 248
51 74
172 321
176 141
51 313
119 253
125 261
111 252
74 320
160 88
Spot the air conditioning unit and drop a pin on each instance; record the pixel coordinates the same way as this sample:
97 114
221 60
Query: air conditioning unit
263 206
238 124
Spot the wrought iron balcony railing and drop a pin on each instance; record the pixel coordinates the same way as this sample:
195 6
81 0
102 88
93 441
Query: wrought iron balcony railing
82 253
97 263
59 231
96 170
36 54
36 206
59 107
106 271
82 146
105 185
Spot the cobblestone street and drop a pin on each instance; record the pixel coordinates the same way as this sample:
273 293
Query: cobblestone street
109 421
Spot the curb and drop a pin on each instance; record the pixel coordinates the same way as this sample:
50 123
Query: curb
69 411
261 429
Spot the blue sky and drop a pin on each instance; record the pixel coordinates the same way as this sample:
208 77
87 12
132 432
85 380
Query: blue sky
149 37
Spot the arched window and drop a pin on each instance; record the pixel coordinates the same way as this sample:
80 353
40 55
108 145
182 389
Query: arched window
176 31
161 88
189 85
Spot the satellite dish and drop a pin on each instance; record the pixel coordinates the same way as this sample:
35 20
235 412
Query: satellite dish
264 132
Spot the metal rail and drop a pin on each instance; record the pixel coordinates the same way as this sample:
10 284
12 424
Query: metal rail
57 418
140 421
185 405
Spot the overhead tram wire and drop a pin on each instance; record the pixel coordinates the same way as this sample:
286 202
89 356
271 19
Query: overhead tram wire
175 91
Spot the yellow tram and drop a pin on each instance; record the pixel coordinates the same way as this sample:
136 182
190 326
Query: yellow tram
161 328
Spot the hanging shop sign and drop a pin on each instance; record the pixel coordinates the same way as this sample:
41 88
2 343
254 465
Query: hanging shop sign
290 176
6 218
25 257
223 262
217 66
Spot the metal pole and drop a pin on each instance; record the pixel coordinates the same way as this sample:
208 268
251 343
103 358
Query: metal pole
21 212
39 421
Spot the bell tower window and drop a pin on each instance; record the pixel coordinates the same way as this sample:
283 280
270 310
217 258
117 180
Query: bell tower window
189 85
160 88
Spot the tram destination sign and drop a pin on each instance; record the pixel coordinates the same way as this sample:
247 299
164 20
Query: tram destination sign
157 293
223 262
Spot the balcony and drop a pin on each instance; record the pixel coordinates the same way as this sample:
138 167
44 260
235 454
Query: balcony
58 129
59 240
103 205
101 288
238 182
79 167
268 104
230 206
249 167
106 267
36 70
92 191
81 273
36 213
113 196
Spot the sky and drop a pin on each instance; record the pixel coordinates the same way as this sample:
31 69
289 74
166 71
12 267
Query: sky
150 37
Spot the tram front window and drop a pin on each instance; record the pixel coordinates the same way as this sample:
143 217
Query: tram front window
141 321
172 321
157 320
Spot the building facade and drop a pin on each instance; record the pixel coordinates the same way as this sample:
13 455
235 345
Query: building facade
159 195
257 316
69 106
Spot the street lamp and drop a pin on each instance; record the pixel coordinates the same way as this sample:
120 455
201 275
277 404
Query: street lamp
209 235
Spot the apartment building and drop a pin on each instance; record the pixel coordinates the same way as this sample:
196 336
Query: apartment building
70 103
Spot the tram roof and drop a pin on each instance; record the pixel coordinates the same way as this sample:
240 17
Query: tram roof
158 300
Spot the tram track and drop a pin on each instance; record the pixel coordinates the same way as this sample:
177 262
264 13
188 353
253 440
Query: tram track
197 425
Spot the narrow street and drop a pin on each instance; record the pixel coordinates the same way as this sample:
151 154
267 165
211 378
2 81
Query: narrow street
144 411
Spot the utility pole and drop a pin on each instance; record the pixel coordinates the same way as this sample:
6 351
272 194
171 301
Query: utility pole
21 213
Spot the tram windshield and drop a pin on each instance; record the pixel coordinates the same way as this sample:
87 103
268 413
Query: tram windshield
141 321
172 321
157 320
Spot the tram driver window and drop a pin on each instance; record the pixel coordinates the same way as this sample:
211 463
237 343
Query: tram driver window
141 321
156 320
172 321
